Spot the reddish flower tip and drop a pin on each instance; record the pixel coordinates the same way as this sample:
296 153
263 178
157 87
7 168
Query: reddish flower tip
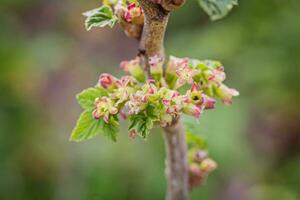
106 80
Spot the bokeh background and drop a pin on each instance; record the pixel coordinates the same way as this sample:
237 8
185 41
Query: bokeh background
46 57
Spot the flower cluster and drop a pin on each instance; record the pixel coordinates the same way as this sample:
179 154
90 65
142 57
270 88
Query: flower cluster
130 12
199 163
158 100
207 75
200 168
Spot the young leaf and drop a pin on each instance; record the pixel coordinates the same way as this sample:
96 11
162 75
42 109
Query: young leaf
190 123
100 17
217 9
111 129
193 137
152 112
195 141
142 124
87 97
86 127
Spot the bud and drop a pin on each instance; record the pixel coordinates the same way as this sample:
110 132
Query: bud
126 81
195 95
196 177
134 68
104 108
225 94
174 64
217 75
208 165
172 101
191 109
199 156
120 9
134 14
185 75
209 102
156 67
137 102
132 133
107 81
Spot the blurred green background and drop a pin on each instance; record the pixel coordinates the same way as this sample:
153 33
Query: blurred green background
46 57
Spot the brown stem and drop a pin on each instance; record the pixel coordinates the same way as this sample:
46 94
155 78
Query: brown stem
155 23
156 19
176 162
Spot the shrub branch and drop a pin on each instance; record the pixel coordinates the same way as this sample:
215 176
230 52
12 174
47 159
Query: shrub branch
151 44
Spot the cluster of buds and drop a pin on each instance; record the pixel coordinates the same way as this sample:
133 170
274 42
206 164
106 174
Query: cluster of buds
133 94
104 108
130 12
206 75
156 67
200 166
134 68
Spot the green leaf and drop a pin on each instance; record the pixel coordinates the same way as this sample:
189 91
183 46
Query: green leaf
86 127
190 123
193 138
142 124
217 9
152 112
100 17
111 129
195 141
87 97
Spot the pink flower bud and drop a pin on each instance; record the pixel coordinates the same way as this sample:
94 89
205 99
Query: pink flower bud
200 156
151 81
194 88
185 75
120 9
172 102
137 102
131 6
126 81
196 177
156 66
151 89
174 64
226 94
192 109
208 165
217 75
195 95
132 133
134 68
123 114
208 102
133 12
96 114
107 81
104 108
106 118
